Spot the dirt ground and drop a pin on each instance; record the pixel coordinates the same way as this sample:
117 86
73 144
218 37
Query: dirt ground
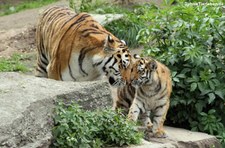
17 32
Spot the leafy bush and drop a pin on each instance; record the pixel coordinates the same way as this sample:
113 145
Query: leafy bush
190 40
75 127
125 28
128 27
95 6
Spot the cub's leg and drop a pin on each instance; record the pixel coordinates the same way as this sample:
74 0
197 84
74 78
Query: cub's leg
158 120
135 109
147 120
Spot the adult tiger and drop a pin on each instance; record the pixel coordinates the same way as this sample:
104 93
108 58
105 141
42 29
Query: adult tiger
149 91
74 47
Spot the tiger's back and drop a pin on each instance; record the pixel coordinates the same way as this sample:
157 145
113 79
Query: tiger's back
72 46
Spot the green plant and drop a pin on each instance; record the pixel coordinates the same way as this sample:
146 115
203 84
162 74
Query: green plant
127 28
92 6
13 64
221 137
190 41
75 127
26 4
208 122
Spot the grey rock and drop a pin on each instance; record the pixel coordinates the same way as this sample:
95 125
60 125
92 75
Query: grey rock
27 104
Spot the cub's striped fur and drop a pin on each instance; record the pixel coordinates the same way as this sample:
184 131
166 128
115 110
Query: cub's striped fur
148 92
74 47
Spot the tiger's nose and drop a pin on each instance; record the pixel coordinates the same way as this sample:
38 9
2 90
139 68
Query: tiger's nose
127 80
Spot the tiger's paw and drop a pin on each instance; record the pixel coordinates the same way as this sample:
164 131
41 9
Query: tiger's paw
149 126
160 134
131 116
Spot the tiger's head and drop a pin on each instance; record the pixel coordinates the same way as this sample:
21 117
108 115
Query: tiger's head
142 70
117 66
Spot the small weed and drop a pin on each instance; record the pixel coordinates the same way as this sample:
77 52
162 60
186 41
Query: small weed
13 64
27 4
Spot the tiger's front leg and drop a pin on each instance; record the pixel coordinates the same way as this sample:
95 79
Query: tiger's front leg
135 109
158 121
53 70
147 121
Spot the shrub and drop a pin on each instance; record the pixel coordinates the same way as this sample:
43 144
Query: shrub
125 28
95 6
75 127
190 41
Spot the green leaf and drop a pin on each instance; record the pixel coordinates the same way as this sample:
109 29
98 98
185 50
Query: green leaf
206 127
203 114
190 80
176 79
216 82
211 85
204 92
211 97
211 111
181 76
193 86
174 73
220 94
199 107
201 86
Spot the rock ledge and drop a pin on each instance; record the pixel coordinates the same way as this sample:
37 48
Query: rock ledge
27 103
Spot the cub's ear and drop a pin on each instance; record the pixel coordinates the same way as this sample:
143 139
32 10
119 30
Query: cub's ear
108 40
136 56
123 42
153 65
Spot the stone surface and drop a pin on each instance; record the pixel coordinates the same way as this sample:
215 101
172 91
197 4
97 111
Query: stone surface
27 103
181 138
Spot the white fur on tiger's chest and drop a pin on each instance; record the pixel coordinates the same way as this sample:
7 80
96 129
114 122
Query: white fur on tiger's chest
80 70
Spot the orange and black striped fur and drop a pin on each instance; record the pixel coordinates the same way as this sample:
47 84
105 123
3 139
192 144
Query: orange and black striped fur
74 47
148 92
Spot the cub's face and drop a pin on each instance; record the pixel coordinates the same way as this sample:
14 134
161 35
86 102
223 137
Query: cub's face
118 72
142 70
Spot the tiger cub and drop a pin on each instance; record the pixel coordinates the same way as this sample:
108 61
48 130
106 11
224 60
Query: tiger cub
75 47
149 91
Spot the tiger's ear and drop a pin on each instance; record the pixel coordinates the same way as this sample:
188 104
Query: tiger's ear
153 65
108 40
123 42
136 56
